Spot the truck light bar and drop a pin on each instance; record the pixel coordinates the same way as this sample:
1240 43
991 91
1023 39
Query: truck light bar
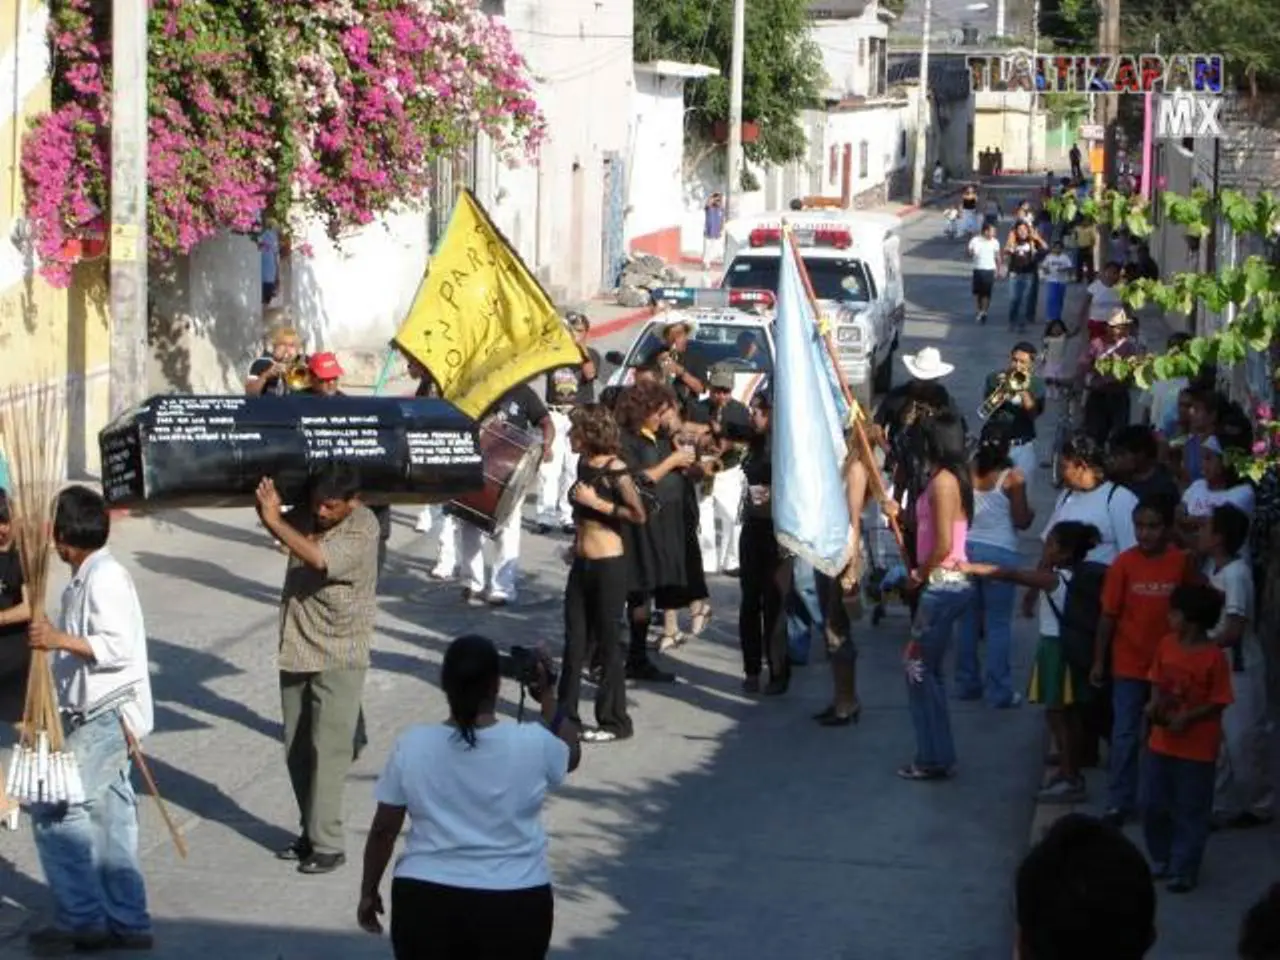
835 237
712 298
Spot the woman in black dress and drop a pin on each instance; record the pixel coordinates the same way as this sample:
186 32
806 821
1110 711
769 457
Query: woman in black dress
693 593
657 552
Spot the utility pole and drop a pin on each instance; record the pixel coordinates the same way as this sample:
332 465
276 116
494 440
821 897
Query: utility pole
1000 18
1108 112
733 179
1035 87
922 112
128 383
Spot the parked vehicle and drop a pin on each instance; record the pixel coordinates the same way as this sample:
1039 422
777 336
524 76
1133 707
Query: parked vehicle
854 261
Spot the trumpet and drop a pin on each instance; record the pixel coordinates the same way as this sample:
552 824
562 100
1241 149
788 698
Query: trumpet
1010 384
297 377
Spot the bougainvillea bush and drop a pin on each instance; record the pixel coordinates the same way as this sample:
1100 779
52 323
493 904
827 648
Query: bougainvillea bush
273 111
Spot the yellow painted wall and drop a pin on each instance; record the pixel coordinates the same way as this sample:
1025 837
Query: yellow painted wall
46 335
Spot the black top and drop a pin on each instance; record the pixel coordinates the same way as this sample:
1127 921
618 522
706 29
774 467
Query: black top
427 388
697 368
567 386
896 402
730 421
1012 418
758 472
11 582
519 407
605 482
1023 257
15 655
969 203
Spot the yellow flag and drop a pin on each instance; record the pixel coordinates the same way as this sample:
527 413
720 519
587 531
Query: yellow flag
481 324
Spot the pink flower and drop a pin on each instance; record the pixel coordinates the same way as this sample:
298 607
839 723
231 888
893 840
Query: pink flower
1259 448
1263 411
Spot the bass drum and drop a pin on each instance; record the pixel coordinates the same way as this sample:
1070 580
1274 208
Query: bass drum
511 460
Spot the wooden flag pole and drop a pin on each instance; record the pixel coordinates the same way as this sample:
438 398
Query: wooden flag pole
135 751
864 443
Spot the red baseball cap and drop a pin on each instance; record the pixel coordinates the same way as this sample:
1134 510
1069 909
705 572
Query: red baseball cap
324 366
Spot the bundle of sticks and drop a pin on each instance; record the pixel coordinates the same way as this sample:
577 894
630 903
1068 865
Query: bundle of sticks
32 428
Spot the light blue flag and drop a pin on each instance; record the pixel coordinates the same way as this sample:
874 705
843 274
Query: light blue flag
810 513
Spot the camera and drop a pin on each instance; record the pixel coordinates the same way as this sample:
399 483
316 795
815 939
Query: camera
521 665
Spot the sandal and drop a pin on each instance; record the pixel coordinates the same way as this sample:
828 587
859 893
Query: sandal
913 772
669 641
701 620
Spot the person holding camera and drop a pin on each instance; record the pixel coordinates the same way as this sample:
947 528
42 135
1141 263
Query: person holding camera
473 880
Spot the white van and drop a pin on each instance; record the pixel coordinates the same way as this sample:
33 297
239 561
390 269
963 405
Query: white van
854 261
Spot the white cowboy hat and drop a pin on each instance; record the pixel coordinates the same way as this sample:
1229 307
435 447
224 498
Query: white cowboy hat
927 364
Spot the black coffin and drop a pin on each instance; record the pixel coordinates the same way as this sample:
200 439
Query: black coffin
201 451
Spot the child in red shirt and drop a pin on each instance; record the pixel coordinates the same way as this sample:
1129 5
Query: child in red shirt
1190 687
1135 615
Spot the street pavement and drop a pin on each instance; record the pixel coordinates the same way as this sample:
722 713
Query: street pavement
729 827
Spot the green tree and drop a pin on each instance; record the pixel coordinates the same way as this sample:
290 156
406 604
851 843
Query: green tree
1069 24
1248 292
783 74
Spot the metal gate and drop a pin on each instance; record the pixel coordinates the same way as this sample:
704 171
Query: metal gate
613 252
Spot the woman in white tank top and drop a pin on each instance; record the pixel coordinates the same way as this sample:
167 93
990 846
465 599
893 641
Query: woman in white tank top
1000 510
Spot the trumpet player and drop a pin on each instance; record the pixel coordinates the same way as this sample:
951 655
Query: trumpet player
720 497
281 369
1015 400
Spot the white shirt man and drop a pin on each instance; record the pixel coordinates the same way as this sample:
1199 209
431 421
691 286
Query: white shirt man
90 850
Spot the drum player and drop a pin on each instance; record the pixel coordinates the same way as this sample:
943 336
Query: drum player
567 387
521 408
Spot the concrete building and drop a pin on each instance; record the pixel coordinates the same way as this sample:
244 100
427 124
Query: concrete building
49 337
566 213
655 178
949 138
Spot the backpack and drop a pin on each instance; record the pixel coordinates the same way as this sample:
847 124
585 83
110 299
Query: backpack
1078 620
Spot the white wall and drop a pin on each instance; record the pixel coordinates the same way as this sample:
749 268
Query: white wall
553 211
881 130
846 51
655 196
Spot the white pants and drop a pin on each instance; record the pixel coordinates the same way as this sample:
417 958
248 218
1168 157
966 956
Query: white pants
1025 459
505 566
1243 782
556 476
720 550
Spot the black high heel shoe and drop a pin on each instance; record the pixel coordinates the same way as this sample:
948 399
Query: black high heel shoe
829 717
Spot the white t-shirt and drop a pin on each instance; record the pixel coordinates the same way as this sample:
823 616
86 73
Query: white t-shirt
984 251
1108 507
1199 500
1057 268
474 814
1235 582
1103 302
1050 625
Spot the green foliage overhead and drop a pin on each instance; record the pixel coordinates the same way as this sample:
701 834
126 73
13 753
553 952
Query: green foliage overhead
783 68
1250 291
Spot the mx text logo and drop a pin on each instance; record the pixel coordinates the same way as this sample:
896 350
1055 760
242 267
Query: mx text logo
1184 116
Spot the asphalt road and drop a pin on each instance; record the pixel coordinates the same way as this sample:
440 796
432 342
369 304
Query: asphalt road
729 827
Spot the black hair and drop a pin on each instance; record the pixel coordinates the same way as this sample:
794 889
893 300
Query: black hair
1200 604
763 399
6 515
1113 263
942 448
1260 929
1137 439
1084 884
609 396
1163 505
80 519
469 676
930 393
1024 346
1076 538
1231 524
333 480
797 204
1084 449
993 449
1207 397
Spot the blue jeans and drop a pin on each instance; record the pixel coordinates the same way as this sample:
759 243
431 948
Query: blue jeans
1055 296
1128 699
993 609
940 608
1022 298
804 611
89 851
1177 811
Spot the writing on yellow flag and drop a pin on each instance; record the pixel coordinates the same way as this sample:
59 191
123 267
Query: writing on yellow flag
481 324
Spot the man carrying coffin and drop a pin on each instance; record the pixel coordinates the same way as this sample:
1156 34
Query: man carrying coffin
327 612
